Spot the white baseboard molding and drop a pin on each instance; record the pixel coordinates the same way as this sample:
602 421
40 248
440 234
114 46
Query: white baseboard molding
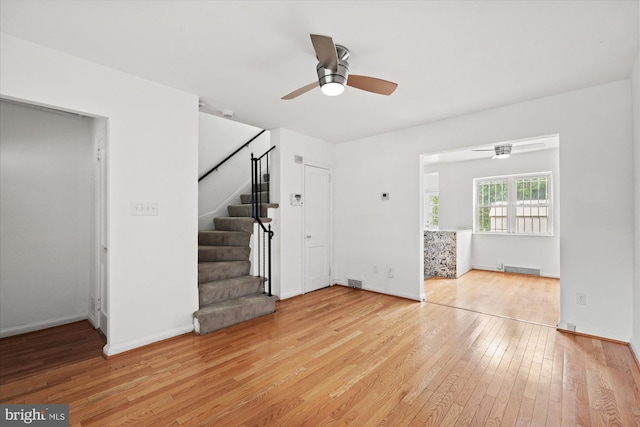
110 350
290 295
386 292
488 268
635 352
44 324
566 326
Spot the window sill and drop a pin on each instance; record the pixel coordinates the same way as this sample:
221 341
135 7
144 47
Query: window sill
482 233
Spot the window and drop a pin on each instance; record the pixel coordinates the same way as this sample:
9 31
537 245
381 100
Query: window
515 204
431 210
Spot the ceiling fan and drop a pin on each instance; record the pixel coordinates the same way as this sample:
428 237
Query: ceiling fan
333 72
503 151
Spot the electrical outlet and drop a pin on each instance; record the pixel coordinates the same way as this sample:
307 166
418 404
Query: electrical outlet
581 299
501 266
390 272
375 269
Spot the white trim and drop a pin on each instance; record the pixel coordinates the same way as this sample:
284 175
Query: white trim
36 326
290 295
419 298
111 350
634 351
488 268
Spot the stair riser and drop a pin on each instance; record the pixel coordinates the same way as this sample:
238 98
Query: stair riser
223 253
263 197
245 211
208 272
234 224
226 317
211 293
261 187
224 238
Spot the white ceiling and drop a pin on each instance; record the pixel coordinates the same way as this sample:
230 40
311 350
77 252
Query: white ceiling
448 57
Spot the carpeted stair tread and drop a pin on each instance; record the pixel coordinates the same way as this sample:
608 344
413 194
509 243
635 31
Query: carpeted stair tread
210 271
236 223
222 290
264 186
223 253
227 313
246 209
263 197
223 238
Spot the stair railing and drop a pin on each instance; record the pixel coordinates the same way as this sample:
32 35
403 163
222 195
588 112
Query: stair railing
246 144
258 209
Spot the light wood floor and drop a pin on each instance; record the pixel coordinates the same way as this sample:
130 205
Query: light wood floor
516 296
337 356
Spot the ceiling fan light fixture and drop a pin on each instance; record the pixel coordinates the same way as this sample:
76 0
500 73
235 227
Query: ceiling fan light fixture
332 88
502 151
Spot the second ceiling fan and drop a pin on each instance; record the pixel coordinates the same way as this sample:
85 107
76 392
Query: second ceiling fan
333 72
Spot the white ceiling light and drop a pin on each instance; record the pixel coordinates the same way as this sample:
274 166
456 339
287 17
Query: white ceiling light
503 151
332 88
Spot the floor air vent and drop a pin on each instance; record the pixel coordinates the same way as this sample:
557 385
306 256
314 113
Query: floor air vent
355 283
522 270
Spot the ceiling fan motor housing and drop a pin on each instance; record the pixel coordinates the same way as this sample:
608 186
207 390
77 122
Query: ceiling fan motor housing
340 75
503 149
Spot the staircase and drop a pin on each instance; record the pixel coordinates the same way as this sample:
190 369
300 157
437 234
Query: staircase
227 293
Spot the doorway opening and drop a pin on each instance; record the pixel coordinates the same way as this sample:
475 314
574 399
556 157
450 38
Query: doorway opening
53 222
463 263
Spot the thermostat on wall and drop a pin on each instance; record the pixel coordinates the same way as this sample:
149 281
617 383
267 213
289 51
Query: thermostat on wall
296 199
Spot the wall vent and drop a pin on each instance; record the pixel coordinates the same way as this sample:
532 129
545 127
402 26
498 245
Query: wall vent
522 270
355 283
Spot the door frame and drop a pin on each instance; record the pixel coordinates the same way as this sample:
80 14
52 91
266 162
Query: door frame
329 168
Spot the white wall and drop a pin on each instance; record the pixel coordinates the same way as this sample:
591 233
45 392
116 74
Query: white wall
456 211
595 260
635 81
218 137
153 157
288 178
46 198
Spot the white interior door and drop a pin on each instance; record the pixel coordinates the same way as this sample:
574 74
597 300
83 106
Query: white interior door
317 228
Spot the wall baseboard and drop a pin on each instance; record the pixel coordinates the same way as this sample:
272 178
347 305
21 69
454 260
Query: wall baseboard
111 350
36 326
486 268
386 292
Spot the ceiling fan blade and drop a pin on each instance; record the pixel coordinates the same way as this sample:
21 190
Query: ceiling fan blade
304 89
325 51
371 84
527 146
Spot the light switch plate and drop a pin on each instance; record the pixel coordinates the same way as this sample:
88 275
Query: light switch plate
144 208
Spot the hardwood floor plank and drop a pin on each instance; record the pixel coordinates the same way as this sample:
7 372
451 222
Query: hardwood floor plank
337 356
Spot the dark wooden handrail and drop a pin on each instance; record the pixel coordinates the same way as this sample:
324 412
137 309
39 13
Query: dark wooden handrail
246 144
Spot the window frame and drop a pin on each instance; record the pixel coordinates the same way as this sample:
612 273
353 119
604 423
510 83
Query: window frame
428 210
512 204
